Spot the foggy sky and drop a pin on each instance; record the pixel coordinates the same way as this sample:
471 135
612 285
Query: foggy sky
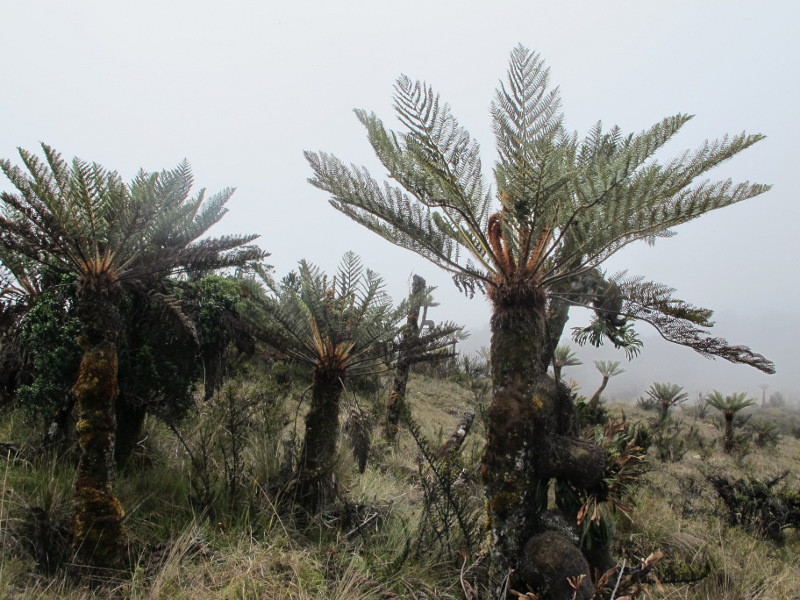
240 89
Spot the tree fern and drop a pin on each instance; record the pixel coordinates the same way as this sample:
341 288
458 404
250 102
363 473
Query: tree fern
78 221
565 205
561 206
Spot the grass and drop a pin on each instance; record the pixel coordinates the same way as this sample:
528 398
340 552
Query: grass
368 547
677 511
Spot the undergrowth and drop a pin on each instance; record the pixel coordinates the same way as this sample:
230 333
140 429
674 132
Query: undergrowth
407 524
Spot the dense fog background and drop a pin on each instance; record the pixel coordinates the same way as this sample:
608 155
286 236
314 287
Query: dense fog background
242 88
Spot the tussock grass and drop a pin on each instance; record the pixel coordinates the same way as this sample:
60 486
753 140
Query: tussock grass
367 547
676 510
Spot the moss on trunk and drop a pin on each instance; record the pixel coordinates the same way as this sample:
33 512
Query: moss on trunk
529 441
316 484
98 534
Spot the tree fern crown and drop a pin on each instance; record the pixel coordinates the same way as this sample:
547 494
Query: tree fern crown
80 218
560 206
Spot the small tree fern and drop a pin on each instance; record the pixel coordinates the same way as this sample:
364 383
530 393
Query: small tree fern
729 406
419 341
339 326
564 356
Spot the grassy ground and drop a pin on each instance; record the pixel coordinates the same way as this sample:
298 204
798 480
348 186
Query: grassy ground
678 511
377 545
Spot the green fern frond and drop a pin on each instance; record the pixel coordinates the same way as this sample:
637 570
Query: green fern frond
77 217
563 206
317 319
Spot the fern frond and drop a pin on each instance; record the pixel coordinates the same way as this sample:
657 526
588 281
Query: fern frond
565 205
385 210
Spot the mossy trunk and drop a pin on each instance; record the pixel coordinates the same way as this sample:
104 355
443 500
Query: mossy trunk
98 534
728 445
529 441
595 400
316 483
454 442
397 401
397 397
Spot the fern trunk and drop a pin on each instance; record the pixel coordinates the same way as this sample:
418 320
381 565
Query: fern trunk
397 397
316 483
595 400
98 534
729 444
529 441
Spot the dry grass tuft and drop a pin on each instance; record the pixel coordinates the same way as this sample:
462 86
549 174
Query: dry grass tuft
365 549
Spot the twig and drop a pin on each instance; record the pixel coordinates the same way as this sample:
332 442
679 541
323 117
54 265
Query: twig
366 522
619 580
469 590
506 584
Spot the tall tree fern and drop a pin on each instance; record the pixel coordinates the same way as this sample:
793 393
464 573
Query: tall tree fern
80 221
560 206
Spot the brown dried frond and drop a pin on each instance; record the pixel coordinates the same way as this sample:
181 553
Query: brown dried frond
499 244
494 230
540 248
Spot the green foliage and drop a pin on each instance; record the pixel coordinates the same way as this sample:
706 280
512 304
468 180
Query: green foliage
216 297
625 466
608 368
760 505
450 514
663 397
48 331
160 366
667 435
345 321
113 241
564 204
624 336
87 221
209 308
729 405
219 443
339 327
765 433
594 412
78 223
564 356
666 432
588 414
